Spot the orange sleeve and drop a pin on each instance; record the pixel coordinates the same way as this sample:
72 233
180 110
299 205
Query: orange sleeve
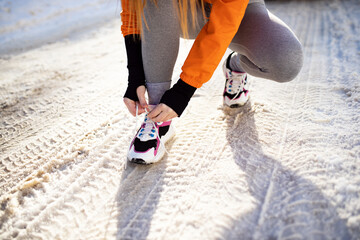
128 19
212 41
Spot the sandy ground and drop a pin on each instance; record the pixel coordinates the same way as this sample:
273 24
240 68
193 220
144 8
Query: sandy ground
285 166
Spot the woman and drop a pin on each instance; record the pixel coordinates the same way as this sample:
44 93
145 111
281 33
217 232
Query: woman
263 46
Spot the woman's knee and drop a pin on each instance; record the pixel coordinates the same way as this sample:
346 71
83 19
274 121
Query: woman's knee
288 62
281 63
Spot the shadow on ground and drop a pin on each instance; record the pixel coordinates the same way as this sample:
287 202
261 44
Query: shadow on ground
289 206
138 197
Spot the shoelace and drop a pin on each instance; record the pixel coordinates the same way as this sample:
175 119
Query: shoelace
238 84
148 129
156 131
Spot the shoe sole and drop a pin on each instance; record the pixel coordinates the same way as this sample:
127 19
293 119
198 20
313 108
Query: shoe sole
236 105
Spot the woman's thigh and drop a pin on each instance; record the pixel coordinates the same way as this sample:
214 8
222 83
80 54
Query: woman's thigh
160 40
267 47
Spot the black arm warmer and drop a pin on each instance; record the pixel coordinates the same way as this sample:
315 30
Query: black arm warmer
135 66
178 97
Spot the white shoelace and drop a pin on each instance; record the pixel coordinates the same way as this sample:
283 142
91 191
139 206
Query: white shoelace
156 130
237 83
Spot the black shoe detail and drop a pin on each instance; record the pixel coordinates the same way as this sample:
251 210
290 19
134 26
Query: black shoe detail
163 130
141 146
139 161
228 61
235 106
231 96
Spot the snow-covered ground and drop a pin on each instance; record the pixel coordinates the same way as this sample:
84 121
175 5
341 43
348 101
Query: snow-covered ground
285 166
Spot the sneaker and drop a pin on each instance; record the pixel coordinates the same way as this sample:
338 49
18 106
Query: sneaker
148 146
236 92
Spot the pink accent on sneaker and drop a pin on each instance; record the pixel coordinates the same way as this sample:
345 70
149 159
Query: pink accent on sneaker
245 92
164 124
157 146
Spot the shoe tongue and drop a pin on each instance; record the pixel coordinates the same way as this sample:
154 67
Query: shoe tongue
148 132
148 123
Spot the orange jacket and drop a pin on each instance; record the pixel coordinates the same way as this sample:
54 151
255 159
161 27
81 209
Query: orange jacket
210 44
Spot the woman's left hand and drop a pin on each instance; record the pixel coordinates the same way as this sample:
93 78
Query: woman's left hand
162 113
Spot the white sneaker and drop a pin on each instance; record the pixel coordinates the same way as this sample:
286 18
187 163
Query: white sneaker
236 92
148 146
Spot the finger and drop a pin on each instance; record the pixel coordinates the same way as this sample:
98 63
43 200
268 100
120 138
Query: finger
169 117
140 91
160 118
156 111
131 106
131 112
165 115
141 110
170 112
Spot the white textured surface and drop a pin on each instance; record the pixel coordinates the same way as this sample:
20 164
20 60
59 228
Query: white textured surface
285 166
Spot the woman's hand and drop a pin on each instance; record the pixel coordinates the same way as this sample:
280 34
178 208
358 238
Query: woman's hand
162 113
142 104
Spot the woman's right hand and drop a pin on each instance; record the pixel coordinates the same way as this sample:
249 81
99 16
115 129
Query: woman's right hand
142 104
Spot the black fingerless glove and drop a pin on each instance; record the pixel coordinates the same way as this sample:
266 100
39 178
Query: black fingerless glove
135 66
178 97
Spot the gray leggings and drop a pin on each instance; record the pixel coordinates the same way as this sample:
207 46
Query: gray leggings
265 46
